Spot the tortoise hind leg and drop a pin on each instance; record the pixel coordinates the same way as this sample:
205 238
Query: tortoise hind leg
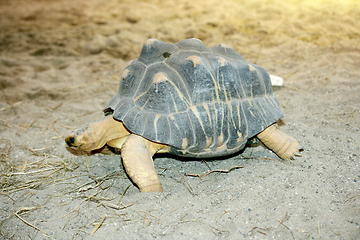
137 159
285 146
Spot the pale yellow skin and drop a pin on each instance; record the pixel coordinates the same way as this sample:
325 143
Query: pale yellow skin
137 152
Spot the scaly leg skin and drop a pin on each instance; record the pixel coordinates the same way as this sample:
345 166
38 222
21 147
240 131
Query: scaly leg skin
285 146
137 159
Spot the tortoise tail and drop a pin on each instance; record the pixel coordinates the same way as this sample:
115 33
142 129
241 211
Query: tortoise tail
285 146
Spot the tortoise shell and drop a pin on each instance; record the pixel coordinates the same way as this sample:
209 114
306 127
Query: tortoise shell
203 102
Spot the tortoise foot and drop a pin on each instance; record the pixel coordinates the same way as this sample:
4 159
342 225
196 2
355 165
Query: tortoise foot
285 146
152 188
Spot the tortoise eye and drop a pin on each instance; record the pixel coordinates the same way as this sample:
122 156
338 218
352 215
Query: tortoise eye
166 54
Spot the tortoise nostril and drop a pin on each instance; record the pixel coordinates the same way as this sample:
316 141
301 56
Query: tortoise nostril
70 141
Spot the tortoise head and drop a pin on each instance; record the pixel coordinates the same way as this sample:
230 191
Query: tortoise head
94 135
86 138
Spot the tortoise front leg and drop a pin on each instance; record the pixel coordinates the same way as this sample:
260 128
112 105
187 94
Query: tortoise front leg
285 146
137 159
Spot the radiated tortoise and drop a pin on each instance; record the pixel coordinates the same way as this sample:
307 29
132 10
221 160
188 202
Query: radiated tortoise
188 100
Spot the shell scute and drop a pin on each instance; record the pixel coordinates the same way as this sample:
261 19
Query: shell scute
197 75
227 52
157 127
156 51
192 44
178 122
161 91
131 78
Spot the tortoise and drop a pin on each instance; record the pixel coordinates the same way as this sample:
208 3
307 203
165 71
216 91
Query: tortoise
188 100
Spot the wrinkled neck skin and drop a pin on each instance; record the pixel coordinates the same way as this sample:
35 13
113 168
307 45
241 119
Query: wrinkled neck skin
94 135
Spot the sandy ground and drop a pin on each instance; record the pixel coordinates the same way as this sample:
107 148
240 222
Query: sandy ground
60 63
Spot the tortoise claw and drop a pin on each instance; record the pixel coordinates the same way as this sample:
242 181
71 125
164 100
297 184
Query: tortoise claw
297 154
